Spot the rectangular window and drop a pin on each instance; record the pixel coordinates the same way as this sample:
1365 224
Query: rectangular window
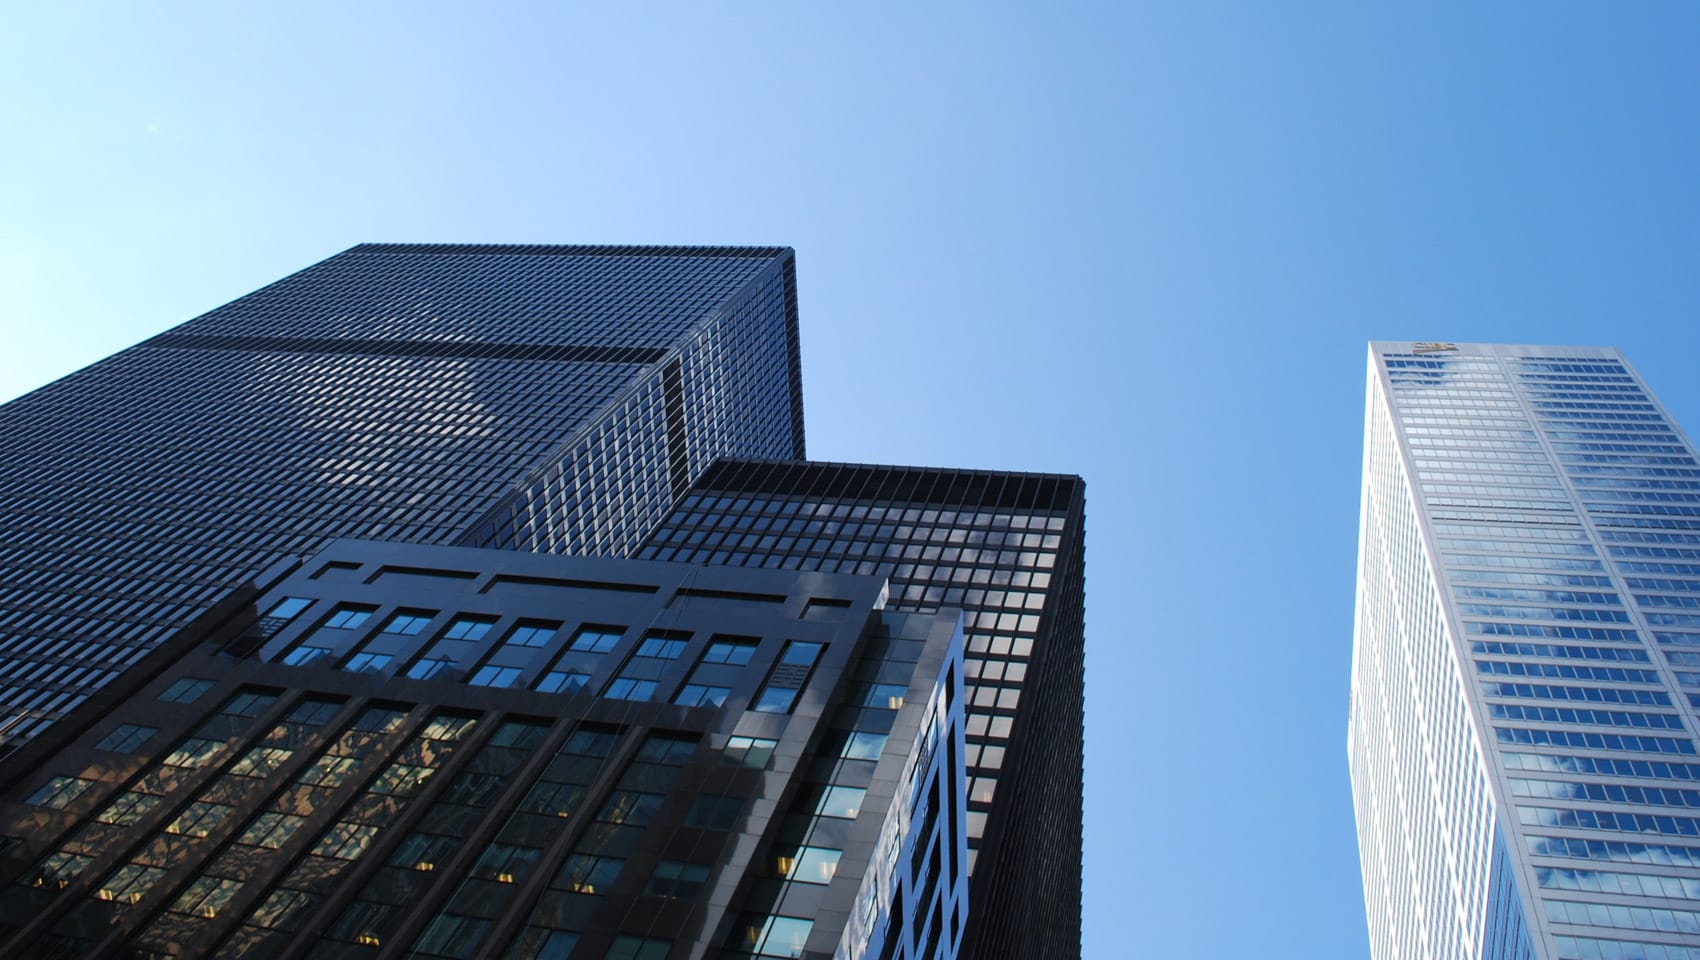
663 645
532 633
430 668
367 663
593 639
789 676
494 676
749 751
563 681
808 864
587 873
408 623
287 609
764 936
630 808
842 802
469 628
126 738
629 688
301 656
59 792
736 651
348 617
199 819
678 880
186 690
506 862
702 695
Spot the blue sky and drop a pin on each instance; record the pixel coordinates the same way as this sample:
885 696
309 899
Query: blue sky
1143 243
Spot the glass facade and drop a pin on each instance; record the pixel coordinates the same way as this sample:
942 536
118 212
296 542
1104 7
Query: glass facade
1007 550
1522 733
546 398
270 809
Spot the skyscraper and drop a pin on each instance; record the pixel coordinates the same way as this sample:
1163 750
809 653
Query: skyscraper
1523 720
1008 549
392 750
201 513
536 397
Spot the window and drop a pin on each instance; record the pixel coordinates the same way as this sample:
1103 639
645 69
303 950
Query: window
313 712
129 883
668 749
469 628
789 675
552 799
301 656
597 639
771 936
282 909
430 667
563 681
408 623
749 751
206 897
58 793
541 943
843 802
808 864
423 851
725 650
674 879
662 646
271 829
446 727
186 690
861 745
401 780
715 812
630 808
345 840
347 618
532 633
129 807
126 738
287 608
885 696
702 695
367 663
494 676
629 688
57 870
506 862
328 771
628 947
587 873
199 819
452 936
261 762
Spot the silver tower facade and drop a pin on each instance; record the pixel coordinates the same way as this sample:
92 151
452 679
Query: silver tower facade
1526 659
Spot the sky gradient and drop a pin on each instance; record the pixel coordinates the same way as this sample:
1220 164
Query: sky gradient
1142 243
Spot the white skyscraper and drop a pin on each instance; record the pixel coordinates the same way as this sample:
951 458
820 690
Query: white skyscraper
1526 659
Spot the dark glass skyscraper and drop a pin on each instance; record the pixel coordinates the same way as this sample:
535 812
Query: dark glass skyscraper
545 398
1008 549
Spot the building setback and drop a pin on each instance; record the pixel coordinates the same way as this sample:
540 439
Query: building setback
1524 670
395 750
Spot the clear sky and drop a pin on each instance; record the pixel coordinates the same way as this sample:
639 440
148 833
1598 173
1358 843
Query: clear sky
1143 243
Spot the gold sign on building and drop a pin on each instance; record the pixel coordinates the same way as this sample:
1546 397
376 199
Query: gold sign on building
1433 347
